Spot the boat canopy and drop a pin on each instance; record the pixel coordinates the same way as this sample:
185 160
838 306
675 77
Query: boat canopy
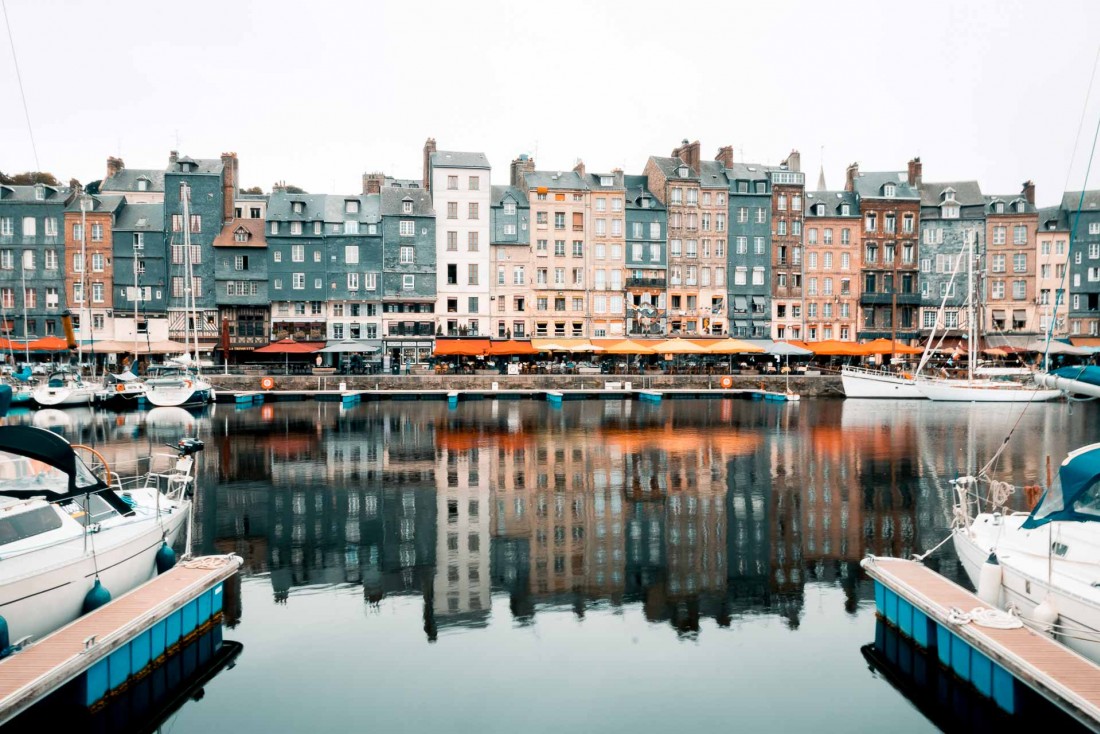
1075 494
1085 373
25 479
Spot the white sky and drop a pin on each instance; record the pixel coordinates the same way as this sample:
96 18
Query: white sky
316 93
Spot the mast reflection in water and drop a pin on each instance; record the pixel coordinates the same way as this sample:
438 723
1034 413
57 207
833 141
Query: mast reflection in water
735 527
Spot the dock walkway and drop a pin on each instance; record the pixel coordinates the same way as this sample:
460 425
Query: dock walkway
919 602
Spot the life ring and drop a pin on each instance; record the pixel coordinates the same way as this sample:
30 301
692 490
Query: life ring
906 376
187 383
120 388
727 382
267 383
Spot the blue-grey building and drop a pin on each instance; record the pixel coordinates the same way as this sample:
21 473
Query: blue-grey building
138 238
952 214
510 253
646 260
1084 262
408 275
353 246
296 264
749 272
32 248
211 183
136 185
242 285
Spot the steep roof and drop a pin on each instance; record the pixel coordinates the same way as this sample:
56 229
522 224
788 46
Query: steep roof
570 180
459 159
280 206
126 180
499 192
141 218
712 175
869 185
594 179
636 188
254 228
747 172
1010 201
1071 200
101 204
671 166
1053 215
370 206
967 193
421 202
201 165
832 200
27 193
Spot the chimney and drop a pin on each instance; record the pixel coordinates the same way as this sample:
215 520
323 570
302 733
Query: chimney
279 187
173 157
429 148
725 156
793 161
372 182
1029 192
688 153
579 168
852 175
114 165
230 177
522 165
915 172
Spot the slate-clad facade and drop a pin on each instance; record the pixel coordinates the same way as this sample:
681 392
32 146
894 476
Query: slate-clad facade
749 269
139 236
511 265
296 264
31 221
952 214
354 261
408 275
646 260
1084 262
241 281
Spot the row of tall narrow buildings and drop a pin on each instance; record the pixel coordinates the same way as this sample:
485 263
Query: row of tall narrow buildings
688 247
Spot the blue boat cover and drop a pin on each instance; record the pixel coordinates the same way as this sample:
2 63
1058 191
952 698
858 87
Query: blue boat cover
1075 494
1087 373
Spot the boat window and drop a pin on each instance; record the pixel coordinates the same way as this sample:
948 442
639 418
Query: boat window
22 474
1088 502
27 524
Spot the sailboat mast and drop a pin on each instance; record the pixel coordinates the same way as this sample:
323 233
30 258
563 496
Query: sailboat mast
137 295
970 341
83 281
26 338
190 276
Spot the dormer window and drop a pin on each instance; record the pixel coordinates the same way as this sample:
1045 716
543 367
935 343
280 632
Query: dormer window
241 235
607 181
510 208
889 190
297 207
143 184
645 202
683 172
406 206
819 210
948 194
950 211
40 192
845 210
1020 207
351 206
999 207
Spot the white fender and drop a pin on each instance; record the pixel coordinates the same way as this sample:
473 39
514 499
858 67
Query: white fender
989 581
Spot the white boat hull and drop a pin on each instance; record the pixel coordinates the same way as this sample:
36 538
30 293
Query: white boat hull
1024 574
867 384
984 393
1075 387
185 392
40 602
62 396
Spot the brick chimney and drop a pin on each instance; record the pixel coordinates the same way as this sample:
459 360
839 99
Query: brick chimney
851 176
915 168
793 161
173 157
688 153
1029 192
114 165
522 165
725 156
373 182
429 148
230 177
579 168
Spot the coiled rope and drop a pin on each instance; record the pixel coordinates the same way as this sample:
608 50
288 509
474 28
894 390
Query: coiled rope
985 617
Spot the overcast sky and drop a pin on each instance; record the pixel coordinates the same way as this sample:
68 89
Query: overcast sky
316 93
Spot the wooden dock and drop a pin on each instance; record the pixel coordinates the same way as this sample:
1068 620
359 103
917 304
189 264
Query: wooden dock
613 391
919 602
121 639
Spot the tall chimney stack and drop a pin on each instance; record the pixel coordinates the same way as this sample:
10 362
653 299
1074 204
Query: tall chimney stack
725 156
579 168
372 182
429 148
230 176
793 161
688 153
850 177
1029 191
522 165
173 157
915 169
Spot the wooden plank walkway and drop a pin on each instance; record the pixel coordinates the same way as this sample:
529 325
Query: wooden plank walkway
32 673
1058 673
611 392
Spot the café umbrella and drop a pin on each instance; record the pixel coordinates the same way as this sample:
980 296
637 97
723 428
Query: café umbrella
288 347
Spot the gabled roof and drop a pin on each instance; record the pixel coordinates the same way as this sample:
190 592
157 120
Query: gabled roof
1053 218
1071 200
392 202
567 180
253 228
671 167
458 159
517 195
100 204
869 185
636 188
141 218
832 200
126 180
1010 201
9 192
967 193
712 175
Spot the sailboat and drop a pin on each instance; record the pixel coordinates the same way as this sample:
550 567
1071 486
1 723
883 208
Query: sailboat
1046 563
66 387
972 389
179 381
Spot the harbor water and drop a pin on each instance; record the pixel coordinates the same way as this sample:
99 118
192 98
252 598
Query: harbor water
599 566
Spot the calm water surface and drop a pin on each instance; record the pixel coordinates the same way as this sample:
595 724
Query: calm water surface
605 566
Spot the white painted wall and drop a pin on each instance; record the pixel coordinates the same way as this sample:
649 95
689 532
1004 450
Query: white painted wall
462 257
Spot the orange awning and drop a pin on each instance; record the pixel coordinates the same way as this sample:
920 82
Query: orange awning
49 344
885 346
461 347
511 347
833 347
289 346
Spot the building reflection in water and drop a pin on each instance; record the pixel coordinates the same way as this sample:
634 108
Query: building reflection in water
687 511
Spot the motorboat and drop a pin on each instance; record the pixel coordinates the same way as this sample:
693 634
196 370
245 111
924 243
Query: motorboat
174 385
122 390
64 530
66 388
1044 565
860 382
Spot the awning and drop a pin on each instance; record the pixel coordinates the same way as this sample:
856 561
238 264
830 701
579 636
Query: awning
740 303
833 347
565 345
48 344
678 346
740 324
1019 314
461 347
758 300
629 346
999 314
885 346
348 345
289 346
511 347
733 346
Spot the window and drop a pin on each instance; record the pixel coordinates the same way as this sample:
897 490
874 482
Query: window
78 262
510 208
97 294
1019 262
78 229
295 227
578 248
742 214
871 221
781 227
29 228
1019 290
274 226
889 190
740 276
890 223
997 263
407 255
299 281
811 236
51 297
674 248
559 248
472 274
781 202
196 223
997 288
51 259
1019 235
758 276
97 260
78 292
761 215
518 277
472 210
297 253
407 228
7 230
758 245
